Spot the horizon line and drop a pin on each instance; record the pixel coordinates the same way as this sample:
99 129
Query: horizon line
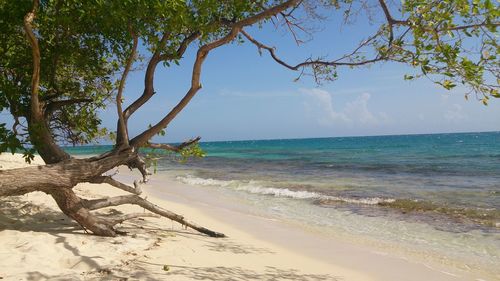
306 138
351 136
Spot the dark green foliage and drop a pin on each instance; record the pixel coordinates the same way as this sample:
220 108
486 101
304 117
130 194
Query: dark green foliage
83 48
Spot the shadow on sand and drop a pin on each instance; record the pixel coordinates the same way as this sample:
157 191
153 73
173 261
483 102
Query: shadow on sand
18 214
238 273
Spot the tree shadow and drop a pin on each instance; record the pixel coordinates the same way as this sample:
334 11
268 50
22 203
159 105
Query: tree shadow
89 260
143 270
238 273
36 276
138 270
18 214
224 244
235 248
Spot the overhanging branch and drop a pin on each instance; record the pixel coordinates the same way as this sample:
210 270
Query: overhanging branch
56 105
175 148
182 47
148 79
311 62
201 55
122 137
36 111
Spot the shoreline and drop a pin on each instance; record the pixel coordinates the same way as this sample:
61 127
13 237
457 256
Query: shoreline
39 243
376 263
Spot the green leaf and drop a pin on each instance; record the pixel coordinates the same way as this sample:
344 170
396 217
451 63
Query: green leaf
447 84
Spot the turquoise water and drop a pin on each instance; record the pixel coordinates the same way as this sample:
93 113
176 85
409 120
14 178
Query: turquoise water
432 178
435 198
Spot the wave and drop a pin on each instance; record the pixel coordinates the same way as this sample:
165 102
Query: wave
256 187
485 217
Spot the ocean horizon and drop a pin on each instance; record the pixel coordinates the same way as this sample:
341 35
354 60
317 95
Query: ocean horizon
104 144
340 159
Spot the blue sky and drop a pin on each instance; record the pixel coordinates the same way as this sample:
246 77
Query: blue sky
248 96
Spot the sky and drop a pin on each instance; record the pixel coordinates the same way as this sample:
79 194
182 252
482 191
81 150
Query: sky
249 96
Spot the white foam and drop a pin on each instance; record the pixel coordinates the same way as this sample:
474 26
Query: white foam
255 187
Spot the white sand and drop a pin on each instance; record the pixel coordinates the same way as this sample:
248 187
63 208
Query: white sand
37 242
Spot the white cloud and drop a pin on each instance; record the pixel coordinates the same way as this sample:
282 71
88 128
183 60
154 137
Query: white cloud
456 113
359 109
321 105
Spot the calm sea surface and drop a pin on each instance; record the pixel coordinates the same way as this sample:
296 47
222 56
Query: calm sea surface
433 195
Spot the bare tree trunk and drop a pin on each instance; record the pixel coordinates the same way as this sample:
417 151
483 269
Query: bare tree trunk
63 173
44 143
59 179
71 205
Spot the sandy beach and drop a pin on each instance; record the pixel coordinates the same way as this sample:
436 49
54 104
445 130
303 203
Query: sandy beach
39 243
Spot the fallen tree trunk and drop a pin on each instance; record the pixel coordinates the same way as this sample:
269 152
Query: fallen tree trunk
59 179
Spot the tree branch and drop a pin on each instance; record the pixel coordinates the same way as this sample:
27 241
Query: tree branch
391 21
139 164
36 111
388 15
148 79
337 62
109 180
136 200
201 55
56 105
462 27
42 139
175 148
119 219
148 86
122 128
182 48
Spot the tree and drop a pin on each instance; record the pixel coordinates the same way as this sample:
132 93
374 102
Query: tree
62 60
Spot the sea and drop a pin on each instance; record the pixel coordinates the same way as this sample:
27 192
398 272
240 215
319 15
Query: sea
434 196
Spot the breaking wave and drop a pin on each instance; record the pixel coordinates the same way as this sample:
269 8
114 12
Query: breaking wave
486 217
256 187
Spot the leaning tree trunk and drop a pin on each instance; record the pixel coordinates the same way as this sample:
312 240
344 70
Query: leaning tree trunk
59 179
63 173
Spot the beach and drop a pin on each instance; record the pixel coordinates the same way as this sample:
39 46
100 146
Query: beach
242 140
40 243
